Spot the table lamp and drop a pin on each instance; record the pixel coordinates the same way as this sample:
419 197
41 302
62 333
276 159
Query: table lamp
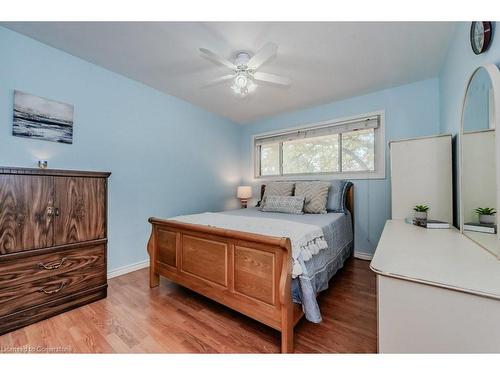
244 193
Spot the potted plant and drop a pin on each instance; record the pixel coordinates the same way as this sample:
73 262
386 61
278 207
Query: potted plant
486 215
421 211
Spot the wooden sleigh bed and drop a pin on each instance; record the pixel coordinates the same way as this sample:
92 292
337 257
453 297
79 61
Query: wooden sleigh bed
247 272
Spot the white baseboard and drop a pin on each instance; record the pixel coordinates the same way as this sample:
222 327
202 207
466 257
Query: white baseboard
127 269
362 255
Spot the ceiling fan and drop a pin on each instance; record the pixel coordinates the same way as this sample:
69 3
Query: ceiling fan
244 69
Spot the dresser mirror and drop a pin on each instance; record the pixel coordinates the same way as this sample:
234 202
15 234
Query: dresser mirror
479 152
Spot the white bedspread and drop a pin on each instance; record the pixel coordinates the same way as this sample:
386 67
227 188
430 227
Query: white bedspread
307 240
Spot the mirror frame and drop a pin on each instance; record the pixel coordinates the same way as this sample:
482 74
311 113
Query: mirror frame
494 75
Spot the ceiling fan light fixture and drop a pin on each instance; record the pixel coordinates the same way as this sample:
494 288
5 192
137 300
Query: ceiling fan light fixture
244 69
243 84
240 91
242 58
241 80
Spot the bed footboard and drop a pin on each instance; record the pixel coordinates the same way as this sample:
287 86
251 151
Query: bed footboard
246 272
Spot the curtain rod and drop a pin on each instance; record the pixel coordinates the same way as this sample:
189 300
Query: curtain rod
325 124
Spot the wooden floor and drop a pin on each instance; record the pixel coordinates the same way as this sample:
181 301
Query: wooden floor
172 319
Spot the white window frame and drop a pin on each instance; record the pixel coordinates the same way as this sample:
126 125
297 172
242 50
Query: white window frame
379 152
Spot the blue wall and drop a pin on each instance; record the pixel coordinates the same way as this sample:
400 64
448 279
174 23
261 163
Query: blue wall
410 111
167 156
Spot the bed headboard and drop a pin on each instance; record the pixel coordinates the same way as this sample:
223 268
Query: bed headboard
350 203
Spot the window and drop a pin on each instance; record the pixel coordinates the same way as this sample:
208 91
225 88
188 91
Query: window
358 150
269 159
353 148
311 155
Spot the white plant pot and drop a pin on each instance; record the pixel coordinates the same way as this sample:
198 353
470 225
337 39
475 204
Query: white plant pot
487 219
421 215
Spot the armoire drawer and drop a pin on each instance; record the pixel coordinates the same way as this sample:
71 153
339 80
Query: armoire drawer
31 268
21 296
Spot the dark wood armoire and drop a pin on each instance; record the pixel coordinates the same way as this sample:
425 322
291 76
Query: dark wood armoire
53 238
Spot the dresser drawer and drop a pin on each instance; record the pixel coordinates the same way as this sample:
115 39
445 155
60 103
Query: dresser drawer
24 270
89 271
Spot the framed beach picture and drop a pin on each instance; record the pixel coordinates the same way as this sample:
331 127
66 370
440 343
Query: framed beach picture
40 118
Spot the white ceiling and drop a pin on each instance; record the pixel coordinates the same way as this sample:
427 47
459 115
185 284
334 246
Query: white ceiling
327 61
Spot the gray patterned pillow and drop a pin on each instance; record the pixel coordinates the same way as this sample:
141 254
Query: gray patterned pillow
284 189
316 195
287 205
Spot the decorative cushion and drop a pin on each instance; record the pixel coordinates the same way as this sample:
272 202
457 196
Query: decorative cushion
283 189
315 194
287 205
338 196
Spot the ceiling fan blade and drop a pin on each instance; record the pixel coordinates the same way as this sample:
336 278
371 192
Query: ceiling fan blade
216 58
219 80
264 54
273 78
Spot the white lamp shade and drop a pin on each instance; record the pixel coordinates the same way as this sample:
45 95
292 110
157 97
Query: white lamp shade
244 192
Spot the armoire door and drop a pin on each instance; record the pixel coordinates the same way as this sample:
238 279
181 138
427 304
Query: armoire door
25 212
81 209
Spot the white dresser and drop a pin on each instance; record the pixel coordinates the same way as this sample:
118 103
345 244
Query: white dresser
438 292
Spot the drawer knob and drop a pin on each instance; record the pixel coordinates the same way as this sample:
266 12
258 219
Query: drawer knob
52 266
63 284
